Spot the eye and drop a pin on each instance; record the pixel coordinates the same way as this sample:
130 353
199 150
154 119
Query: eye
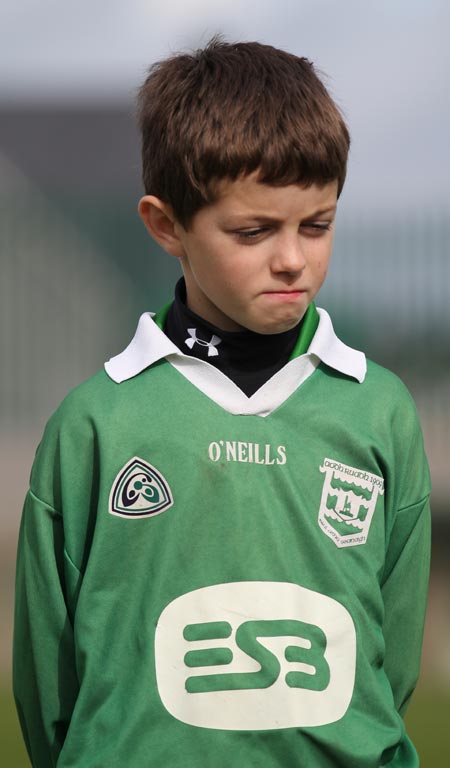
251 234
316 228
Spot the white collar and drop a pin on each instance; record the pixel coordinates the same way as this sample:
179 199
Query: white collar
150 344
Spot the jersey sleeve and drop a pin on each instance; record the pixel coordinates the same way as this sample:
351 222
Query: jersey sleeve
406 573
44 673
405 592
49 575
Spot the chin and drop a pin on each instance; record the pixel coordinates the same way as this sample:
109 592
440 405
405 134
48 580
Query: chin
277 327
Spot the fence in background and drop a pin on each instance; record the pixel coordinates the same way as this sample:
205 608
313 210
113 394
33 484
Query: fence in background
63 304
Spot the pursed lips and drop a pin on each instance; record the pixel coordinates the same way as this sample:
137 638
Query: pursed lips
287 292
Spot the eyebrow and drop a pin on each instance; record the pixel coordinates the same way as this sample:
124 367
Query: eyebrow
322 212
247 217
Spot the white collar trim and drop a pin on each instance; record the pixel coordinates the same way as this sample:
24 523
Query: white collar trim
150 344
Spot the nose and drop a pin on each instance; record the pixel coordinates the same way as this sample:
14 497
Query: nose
288 256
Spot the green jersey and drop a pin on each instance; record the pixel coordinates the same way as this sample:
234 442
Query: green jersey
207 579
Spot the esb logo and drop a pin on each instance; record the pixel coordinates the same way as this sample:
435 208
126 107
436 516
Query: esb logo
253 655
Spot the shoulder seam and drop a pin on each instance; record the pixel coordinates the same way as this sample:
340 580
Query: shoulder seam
41 501
59 514
415 503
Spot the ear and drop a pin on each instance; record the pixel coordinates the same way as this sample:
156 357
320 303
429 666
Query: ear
160 221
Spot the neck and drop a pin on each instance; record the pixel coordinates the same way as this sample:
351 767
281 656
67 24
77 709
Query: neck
247 358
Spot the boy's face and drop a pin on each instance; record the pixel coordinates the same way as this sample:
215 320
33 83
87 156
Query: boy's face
256 257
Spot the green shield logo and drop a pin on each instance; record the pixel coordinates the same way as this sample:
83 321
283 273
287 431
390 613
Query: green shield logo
139 490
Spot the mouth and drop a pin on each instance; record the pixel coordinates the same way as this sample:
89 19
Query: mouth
287 295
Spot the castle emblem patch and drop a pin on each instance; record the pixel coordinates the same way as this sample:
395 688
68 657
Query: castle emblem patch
139 490
349 498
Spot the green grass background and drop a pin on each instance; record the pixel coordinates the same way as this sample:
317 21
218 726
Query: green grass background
428 722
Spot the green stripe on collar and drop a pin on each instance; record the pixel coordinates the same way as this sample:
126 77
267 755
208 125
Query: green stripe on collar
307 331
160 317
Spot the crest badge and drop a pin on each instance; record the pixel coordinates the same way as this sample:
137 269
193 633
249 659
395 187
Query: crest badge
349 498
139 490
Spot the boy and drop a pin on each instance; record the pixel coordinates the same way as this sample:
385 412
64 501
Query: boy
224 552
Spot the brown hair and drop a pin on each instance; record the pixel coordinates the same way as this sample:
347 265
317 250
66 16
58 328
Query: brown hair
230 109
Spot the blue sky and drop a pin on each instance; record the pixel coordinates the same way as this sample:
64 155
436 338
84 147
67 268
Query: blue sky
387 63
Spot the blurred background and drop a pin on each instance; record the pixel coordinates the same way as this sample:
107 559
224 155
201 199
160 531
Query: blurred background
77 268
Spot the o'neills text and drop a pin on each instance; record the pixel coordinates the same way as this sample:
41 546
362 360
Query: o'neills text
250 453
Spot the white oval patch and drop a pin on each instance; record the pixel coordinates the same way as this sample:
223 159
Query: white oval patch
254 655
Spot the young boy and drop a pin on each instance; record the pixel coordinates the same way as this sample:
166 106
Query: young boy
223 557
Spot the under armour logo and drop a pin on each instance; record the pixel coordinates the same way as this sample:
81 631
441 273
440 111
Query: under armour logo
211 344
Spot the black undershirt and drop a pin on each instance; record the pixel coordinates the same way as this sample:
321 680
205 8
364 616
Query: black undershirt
247 358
